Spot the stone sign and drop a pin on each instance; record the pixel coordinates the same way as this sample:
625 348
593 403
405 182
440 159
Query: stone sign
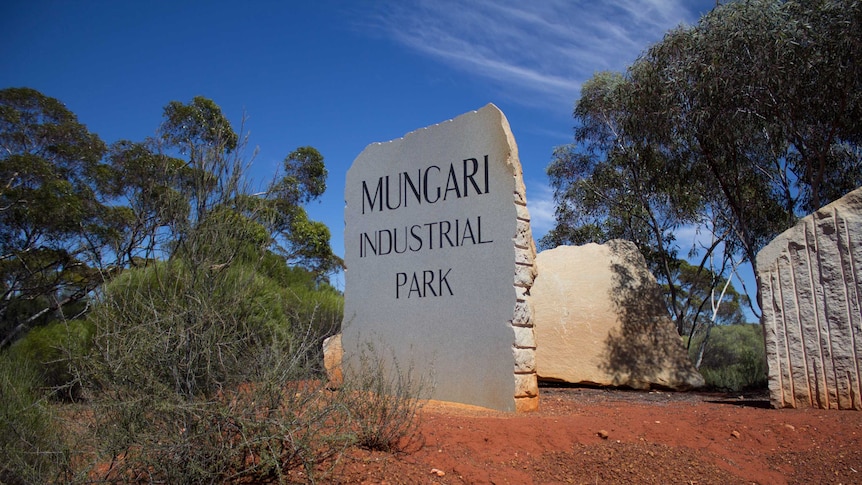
439 257
811 294
600 320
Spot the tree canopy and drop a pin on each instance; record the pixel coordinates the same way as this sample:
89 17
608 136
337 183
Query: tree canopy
738 126
53 212
74 212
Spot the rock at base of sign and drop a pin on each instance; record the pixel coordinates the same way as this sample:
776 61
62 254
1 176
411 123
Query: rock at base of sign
600 320
332 356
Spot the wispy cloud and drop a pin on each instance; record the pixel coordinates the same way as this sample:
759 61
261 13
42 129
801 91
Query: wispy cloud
535 52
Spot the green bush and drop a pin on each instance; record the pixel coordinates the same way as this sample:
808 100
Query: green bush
199 375
309 296
206 368
51 350
734 358
31 449
189 330
206 373
257 432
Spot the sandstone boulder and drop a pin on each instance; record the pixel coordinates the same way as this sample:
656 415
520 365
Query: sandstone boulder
599 319
332 356
811 294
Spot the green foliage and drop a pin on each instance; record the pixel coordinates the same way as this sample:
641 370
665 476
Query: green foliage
54 222
51 349
258 431
220 317
72 217
734 358
307 243
761 99
31 450
198 126
300 239
263 431
204 365
737 125
310 298
304 177
222 237
189 367
212 373
701 289
609 185
154 186
193 173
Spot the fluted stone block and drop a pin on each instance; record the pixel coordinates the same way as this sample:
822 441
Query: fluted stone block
811 287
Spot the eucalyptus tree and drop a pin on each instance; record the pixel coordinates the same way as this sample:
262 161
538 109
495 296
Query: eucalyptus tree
73 212
762 101
743 122
610 184
297 238
55 223
194 168
199 346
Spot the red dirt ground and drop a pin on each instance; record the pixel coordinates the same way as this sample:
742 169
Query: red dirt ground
651 437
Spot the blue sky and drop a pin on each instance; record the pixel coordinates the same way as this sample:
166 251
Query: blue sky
333 75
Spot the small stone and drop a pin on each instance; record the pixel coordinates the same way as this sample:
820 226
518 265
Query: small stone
790 427
332 355
603 434
734 433
438 472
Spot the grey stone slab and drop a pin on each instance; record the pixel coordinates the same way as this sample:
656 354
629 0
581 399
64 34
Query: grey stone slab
437 246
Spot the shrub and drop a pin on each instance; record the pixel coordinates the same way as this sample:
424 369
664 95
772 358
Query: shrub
31 450
171 327
734 358
311 299
206 369
51 350
257 432
206 374
385 400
